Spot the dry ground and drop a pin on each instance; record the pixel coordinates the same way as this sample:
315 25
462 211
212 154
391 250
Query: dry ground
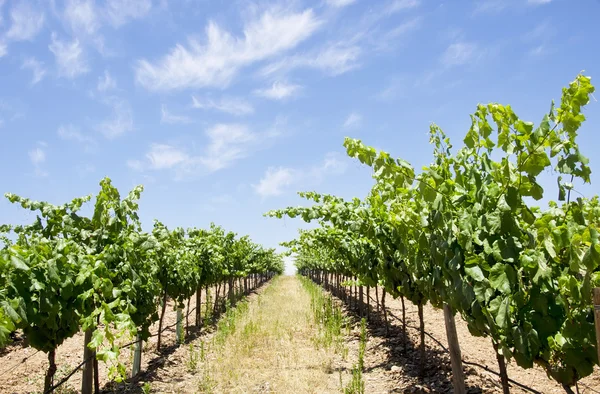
271 349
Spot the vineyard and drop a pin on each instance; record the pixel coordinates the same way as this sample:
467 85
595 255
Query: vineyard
464 235
103 276
382 280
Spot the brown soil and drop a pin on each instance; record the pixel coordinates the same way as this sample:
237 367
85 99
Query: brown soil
270 350
22 368
273 351
391 369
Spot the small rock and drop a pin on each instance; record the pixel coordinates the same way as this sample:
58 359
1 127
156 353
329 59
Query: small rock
395 368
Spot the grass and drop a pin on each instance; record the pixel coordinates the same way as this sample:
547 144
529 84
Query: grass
275 343
329 315
357 384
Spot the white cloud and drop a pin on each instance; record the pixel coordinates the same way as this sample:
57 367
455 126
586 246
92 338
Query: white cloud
538 2
37 156
228 143
82 16
353 120
403 28
69 57
163 156
274 181
340 3
167 117
490 6
230 105
135 165
70 132
278 91
120 12
218 61
542 31
394 88
37 67
277 180
334 59
26 22
106 82
121 120
459 53
400 5
2 48
538 51
333 164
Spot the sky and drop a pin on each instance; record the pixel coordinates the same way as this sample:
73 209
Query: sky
223 110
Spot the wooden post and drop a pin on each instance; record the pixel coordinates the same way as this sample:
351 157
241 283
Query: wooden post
180 336
87 378
198 303
137 357
458 377
597 318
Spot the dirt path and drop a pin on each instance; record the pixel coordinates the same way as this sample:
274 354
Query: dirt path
263 346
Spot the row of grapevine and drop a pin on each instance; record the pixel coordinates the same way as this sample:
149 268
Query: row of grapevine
103 275
464 234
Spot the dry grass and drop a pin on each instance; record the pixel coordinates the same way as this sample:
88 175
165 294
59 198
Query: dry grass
270 348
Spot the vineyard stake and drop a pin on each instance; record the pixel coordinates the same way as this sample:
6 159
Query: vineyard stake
180 336
597 318
458 377
87 378
137 357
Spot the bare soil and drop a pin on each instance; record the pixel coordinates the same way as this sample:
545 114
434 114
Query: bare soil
272 350
392 368
22 368
269 350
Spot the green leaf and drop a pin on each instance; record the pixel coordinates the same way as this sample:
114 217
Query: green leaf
499 279
18 262
475 273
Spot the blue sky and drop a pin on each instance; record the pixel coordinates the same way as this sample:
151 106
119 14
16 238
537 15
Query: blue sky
224 109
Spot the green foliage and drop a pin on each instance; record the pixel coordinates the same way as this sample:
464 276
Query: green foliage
464 232
66 272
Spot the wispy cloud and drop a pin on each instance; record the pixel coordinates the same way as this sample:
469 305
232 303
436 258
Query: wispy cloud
353 120
340 3
3 48
218 61
37 156
121 120
230 105
227 144
120 12
26 22
334 59
70 132
278 180
69 57
36 67
278 91
82 16
538 2
167 117
106 82
394 88
163 156
274 181
459 53
489 6
401 5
